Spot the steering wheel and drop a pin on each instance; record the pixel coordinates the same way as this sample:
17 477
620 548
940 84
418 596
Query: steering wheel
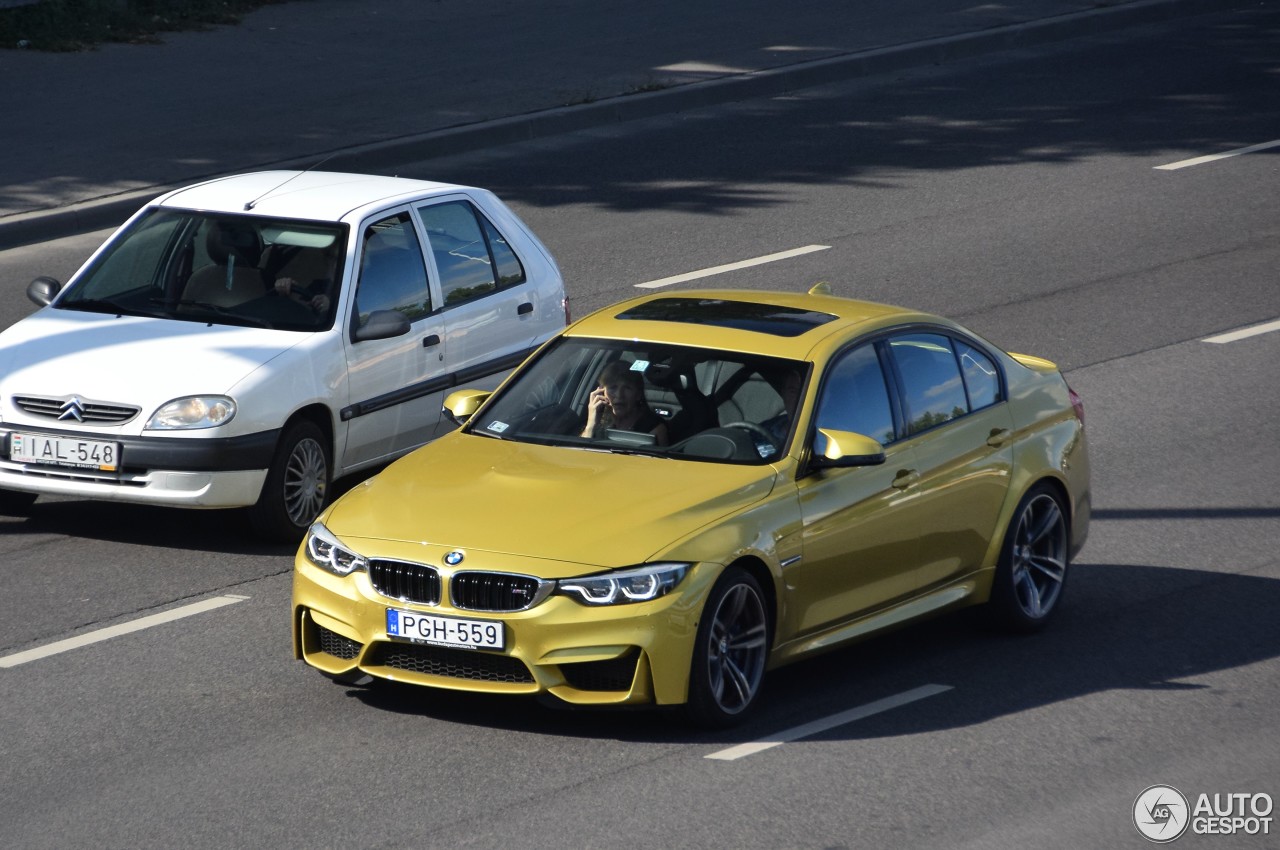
755 429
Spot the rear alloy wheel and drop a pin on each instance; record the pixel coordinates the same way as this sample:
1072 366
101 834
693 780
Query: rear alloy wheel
730 653
1033 563
296 488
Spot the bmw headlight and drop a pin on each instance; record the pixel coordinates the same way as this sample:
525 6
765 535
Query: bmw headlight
197 411
640 584
327 552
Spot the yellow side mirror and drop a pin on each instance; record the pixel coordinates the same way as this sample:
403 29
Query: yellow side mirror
463 404
845 448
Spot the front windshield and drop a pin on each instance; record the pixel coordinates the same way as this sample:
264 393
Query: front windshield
634 397
217 268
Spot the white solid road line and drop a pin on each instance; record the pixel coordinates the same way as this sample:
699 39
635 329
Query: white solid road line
122 629
1214 157
1245 333
798 732
730 267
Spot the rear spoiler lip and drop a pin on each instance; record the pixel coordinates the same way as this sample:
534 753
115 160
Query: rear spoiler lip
1039 364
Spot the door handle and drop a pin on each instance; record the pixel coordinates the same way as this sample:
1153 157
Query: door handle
524 309
430 340
905 478
998 437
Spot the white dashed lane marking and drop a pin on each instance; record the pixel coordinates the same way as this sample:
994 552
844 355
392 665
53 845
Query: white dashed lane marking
122 629
1214 157
729 267
1245 333
797 732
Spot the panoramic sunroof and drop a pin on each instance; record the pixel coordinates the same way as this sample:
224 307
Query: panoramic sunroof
742 315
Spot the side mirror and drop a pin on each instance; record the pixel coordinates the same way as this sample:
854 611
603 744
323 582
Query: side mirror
463 404
382 324
832 449
43 290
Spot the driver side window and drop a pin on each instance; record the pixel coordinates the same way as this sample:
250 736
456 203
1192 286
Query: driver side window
393 275
855 397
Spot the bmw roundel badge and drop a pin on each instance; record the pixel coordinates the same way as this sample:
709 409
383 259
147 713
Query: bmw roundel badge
454 558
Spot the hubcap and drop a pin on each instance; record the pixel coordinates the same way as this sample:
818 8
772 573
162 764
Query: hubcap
737 649
305 481
1039 556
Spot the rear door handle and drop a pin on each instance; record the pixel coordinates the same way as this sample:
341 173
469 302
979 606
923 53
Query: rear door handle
524 309
998 437
905 478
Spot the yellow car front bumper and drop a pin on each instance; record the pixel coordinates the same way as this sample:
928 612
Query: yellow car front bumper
582 654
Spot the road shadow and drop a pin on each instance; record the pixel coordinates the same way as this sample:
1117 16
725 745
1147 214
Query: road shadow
223 531
1123 627
1202 86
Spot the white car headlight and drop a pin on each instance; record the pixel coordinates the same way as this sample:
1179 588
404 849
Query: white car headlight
640 584
325 551
197 411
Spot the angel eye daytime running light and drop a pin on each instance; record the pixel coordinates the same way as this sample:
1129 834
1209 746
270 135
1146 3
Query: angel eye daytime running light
642 584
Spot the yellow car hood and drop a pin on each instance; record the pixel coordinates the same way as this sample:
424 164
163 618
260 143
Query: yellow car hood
545 502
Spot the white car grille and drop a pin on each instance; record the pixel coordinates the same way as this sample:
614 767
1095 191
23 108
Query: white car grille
75 409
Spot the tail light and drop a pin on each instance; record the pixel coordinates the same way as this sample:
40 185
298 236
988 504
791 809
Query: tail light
567 319
1077 404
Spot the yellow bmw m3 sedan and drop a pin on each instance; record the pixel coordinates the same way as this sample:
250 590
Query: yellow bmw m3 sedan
683 491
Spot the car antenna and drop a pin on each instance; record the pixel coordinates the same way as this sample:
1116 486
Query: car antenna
251 204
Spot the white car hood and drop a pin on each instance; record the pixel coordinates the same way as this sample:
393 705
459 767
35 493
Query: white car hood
128 359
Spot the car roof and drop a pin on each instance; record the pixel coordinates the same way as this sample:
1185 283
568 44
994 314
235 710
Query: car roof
781 324
314 195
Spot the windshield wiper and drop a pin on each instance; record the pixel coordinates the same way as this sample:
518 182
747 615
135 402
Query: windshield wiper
98 305
187 302
621 450
231 316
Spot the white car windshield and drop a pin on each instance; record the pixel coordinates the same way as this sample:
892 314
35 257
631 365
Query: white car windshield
217 268
650 398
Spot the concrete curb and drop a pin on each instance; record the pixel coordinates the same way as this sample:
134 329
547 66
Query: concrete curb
110 210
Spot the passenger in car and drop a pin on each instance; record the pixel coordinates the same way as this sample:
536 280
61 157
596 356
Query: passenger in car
618 403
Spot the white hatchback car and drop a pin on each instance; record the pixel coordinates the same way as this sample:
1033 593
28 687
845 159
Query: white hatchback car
247 340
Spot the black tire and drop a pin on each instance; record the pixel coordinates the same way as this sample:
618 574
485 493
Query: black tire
15 502
1032 571
297 485
732 646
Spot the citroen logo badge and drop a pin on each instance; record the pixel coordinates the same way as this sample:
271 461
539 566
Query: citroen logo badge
454 558
72 408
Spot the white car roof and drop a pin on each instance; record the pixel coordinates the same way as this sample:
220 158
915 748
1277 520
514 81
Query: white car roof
314 195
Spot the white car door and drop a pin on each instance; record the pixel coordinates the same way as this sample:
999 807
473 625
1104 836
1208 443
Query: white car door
396 384
499 299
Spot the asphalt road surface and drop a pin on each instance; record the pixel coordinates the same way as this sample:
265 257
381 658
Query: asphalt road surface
1023 194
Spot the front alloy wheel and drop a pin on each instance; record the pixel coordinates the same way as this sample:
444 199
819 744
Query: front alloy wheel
296 488
730 653
1033 563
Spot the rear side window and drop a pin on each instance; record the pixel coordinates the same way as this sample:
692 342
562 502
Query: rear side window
933 390
473 258
510 271
980 376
